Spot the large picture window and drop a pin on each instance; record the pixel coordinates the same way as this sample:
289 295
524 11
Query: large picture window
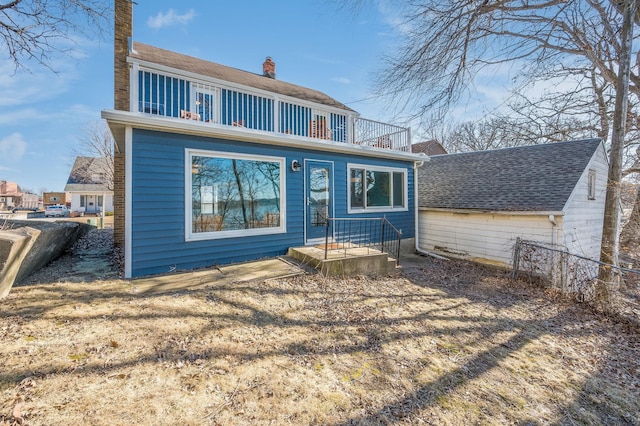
234 195
376 188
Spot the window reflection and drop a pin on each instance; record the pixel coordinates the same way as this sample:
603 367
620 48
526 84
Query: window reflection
232 194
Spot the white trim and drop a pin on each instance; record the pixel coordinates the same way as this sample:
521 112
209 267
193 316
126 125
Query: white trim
215 235
496 212
128 149
197 128
391 170
304 198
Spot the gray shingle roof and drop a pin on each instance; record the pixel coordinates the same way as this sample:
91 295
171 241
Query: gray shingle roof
88 174
211 69
528 178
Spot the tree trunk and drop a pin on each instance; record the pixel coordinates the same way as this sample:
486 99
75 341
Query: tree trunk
630 236
611 225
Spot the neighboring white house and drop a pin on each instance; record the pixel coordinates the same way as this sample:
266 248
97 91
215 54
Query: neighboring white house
89 186
475 205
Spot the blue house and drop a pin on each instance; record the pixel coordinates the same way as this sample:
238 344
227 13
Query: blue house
215 165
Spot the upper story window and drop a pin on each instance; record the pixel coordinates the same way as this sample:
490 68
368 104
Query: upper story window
376 188
233 195
591 191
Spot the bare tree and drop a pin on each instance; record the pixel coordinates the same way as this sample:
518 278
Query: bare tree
449 42
31 30
611 228
98 142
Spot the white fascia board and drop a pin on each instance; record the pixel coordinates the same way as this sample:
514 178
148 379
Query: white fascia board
496 212
190 127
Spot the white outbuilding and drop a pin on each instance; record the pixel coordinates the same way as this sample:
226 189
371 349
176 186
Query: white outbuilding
474 205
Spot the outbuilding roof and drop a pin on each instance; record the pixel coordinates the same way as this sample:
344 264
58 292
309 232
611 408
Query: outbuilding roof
183 62
527 178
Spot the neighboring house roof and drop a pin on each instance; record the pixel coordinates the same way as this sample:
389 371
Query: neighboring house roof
211 69
88 174
528 178
432 147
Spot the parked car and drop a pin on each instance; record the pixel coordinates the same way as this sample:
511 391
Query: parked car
24 209
57 210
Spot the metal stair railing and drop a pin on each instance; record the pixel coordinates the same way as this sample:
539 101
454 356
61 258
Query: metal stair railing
371 233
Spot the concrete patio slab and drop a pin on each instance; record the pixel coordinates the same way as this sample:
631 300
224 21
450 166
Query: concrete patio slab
239 272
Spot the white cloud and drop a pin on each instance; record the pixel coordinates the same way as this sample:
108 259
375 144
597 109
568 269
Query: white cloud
392 15
170 18
19 87
343 80
13 147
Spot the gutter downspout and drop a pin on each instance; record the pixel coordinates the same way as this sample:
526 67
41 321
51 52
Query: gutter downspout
554 243
416 166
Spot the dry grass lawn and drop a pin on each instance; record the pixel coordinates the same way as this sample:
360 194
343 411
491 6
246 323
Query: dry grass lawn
447 344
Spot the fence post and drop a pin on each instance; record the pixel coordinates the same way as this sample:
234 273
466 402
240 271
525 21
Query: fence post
516 259
382 236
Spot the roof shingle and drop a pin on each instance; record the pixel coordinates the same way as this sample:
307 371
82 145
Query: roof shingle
179 61
88 174
528 178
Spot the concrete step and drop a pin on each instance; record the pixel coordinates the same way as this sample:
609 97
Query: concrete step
353 261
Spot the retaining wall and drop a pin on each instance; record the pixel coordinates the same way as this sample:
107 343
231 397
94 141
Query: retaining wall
26 246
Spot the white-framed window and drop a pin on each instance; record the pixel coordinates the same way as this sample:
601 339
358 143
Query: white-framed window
233 195
375 188
591 186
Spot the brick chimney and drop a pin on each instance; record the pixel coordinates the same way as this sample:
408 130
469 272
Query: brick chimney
123 17
269 68
122 34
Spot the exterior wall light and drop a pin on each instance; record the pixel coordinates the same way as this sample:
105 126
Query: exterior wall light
296 166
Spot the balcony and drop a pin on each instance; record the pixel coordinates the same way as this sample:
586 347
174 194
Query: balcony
186 98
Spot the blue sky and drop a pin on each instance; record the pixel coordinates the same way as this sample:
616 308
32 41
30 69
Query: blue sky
43 116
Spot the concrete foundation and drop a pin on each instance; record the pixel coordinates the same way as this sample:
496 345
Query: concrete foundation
26 246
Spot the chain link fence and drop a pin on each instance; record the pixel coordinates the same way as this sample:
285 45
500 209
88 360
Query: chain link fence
575 275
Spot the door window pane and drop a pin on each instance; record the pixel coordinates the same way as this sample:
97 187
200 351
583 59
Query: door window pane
319 195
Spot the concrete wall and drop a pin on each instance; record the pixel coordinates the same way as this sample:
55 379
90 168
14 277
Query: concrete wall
29 245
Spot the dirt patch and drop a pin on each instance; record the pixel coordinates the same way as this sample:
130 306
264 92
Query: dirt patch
448 343
91 258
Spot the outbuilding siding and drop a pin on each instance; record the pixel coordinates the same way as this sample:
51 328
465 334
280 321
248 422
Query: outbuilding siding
158 203
481 237
583 217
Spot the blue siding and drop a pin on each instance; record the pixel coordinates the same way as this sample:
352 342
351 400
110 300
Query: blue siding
158 203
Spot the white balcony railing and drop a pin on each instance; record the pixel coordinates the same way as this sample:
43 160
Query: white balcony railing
164 94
